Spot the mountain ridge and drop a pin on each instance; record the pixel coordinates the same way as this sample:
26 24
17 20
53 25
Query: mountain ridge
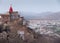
44 15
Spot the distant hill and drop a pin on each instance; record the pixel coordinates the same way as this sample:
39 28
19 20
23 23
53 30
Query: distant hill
44 15
53 16
30 15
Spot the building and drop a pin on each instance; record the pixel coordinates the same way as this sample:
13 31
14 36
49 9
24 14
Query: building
10 16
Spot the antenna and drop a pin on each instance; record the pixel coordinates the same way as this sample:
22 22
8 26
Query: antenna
10 2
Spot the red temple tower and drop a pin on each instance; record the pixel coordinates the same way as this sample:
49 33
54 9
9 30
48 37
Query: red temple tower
10 9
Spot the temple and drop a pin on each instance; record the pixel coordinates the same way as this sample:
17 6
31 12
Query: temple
11 16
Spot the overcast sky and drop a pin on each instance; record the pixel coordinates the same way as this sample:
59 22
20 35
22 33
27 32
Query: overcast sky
37 6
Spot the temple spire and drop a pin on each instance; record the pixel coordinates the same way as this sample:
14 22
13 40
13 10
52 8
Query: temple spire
10 9
10 12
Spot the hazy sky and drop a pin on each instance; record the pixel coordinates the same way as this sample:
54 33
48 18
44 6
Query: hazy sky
37 6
